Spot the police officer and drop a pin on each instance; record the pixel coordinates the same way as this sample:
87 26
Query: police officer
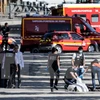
78 60
5 31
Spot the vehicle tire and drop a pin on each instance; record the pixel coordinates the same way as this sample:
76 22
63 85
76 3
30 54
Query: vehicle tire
34 50
91 48
59 48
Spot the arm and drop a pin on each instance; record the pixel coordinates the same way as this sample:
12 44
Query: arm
73 59
22 61
16 62
73 75
84 62
86 69
58 62
96 64
48 60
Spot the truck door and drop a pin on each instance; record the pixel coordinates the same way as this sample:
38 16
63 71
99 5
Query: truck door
64 41
77 41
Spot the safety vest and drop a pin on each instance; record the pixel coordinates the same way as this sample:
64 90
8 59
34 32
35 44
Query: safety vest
79 59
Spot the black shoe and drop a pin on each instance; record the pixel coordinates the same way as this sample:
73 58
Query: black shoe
51 89
66 86
13 86
56 87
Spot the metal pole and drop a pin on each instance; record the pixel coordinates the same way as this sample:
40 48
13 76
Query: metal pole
1 8
10 10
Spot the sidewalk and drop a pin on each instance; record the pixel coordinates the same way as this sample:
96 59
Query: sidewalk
10 21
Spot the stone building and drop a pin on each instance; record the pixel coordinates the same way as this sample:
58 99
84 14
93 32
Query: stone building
4 4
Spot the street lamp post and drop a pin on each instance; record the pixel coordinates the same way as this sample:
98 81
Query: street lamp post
37 6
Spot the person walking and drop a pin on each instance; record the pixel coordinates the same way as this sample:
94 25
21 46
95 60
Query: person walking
78 59
12 68
54 68
19 63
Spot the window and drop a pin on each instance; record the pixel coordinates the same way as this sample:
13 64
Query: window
83 16
95 17
47 36
83 1
59 27
65 36
75 36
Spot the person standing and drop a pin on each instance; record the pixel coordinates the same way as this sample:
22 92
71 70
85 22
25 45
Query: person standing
19 63
54 68
78 59
95 68
5 31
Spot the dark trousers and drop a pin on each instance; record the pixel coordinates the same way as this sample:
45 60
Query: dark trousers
18 75
13 73
5 42
69 81
57 73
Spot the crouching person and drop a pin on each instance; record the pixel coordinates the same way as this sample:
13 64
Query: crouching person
70 76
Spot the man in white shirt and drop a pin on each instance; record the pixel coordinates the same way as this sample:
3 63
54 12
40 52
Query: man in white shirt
18 62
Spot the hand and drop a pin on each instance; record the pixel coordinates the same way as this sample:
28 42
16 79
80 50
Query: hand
59 68
81 76
17 69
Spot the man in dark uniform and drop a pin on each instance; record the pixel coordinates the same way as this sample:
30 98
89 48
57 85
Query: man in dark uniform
5 31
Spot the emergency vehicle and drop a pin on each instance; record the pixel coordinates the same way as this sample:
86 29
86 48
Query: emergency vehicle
34 27
88 11
64 41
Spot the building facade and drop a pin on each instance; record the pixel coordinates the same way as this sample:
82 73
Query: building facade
4 4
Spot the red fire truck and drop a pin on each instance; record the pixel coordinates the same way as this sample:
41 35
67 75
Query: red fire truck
88 11
34 27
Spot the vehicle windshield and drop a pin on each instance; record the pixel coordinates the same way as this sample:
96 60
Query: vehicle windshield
89 26
47 36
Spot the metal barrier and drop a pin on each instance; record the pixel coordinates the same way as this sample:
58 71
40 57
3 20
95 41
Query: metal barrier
6 60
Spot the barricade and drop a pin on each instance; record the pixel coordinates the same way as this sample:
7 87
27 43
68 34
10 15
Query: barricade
6 62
